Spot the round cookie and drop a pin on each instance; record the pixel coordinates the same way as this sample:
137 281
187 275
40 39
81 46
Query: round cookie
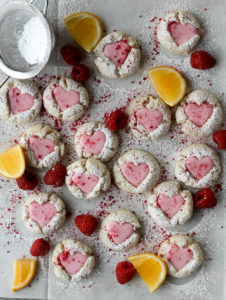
179 32
199 113
197 166
149 117
118 230
169 206
182 255
136 171
94 139
87 178
42 146
66 99
117 55
20 101
43 213
72 260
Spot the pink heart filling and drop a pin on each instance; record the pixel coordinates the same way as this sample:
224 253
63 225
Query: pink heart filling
64 98
41 147
150 119
134 174
199 167
19 102
72 263
198 114
117 52
85 183
170 205
93 143
42 213
179 257
181 33
119 233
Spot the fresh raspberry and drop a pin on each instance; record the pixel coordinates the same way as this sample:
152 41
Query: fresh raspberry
27 182
86 224
71 55
124 271
202 60
205 198
219 138
80 73
56 176
115 120
40 247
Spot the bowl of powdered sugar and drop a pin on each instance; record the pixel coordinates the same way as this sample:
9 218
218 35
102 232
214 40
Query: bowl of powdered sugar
26 40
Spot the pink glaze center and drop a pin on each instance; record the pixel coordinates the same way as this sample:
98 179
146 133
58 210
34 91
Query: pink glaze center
198 114
170 205
134 174
117 52
19 102
199 167
85 183
150 119
72 263
119 233
64 98
41 147
93 143
179 257
181 33
42 213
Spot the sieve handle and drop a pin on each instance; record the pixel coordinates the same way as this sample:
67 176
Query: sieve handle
43 8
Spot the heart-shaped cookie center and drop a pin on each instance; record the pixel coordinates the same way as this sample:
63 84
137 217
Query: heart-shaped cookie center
19 102
135 174
42 213
41 147
119 233
117 52
64 98
93 143
181 33
199 167
170 205
85 183
179 257
198 114
72 263
150 119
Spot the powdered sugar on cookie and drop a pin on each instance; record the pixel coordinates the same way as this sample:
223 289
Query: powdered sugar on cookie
199 113
169 206
118 55
149 117
197 166
67 99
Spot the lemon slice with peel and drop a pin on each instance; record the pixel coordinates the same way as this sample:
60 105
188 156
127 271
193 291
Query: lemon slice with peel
151 268
85 28
169 83
24 272
12 162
